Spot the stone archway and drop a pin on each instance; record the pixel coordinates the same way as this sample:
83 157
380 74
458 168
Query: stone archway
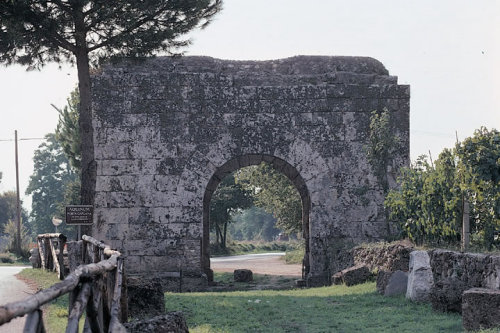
165 127
241 162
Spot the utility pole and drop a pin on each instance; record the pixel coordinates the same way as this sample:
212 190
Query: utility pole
18 201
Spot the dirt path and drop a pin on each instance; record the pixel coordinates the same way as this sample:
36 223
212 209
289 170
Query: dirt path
262 263
12 289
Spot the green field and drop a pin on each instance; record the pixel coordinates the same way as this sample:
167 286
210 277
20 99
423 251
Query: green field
327 309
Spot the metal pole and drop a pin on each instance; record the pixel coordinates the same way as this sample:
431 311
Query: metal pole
18 202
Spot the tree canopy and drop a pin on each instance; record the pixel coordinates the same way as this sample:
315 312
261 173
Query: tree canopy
49 185
275 193
67 131
84 32
228 198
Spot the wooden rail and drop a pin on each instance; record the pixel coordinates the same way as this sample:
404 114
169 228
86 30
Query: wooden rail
95 287
51 248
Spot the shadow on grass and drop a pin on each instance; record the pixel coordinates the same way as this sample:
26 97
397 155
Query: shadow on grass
328 309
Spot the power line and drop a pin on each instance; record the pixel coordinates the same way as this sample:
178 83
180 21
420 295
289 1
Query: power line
24 139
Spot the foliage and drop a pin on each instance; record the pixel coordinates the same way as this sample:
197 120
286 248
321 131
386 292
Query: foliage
428 203
48 186
10 229
381 145
237 248
67 130
479 173
84 32
8 211
228 198
295 256
275 193
253 223
329 309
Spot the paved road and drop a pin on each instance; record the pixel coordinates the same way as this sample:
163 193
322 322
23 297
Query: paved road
12 289
261 263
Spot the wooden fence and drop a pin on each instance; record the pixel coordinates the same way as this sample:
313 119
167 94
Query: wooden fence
96 287
51 249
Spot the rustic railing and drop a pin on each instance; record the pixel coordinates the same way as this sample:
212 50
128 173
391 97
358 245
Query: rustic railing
51 248
95 287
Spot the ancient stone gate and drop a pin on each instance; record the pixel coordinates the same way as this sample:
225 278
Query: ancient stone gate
167 130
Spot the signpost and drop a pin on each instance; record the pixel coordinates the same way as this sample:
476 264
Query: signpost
79 215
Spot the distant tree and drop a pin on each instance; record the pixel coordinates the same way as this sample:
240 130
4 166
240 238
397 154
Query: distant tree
10 230
228 198
254 223
85 32
275 193
48 184
8 211
67 130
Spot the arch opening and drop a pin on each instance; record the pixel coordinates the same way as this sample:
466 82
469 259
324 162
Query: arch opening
243 161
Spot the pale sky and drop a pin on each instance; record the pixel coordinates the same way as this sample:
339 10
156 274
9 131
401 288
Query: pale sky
448 51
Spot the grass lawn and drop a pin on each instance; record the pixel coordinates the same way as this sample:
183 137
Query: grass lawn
328 309
55 314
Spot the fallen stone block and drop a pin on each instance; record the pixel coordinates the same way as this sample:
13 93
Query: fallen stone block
446 295
173 322
242 275
480 308
352 275
382 279
337 278
396 284
420 280
35 258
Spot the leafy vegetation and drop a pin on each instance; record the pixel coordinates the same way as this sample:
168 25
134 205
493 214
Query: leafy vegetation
428 202
49 186
228 198
381 145
253 223
275 193
237 248
329 309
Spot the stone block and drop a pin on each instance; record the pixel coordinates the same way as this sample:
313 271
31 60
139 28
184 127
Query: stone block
480 309
170 322
352 275
145 297
382 279
242 275
446 295
35 258
396 284
420 279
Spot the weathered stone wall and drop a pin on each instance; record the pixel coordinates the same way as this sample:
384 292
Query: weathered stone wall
166 130
389 257
473 269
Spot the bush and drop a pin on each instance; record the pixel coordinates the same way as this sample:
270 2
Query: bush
6 258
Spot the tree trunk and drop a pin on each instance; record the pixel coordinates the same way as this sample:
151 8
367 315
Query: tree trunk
88 163
224 236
